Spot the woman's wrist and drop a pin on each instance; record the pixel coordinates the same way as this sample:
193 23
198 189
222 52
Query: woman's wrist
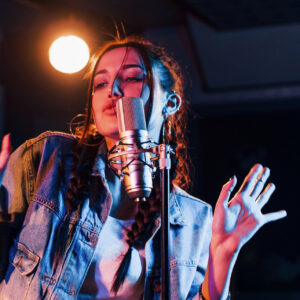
224 247
201 296
220 265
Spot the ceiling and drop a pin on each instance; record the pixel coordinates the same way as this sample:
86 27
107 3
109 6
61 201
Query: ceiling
236 55
141 15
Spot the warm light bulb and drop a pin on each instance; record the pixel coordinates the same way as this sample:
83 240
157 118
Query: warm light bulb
69 54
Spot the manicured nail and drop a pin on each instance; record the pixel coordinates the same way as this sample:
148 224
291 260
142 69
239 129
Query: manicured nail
6 142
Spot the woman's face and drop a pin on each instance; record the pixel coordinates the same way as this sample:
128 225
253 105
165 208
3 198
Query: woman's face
120 73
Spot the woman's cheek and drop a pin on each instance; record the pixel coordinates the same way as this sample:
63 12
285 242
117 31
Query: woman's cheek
96 106
96 113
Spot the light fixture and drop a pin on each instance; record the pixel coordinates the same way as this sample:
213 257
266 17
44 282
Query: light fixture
69 54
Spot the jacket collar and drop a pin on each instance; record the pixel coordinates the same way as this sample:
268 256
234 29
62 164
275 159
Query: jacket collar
176 215
100 161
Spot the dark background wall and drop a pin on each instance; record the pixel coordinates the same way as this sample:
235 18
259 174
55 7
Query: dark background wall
241 63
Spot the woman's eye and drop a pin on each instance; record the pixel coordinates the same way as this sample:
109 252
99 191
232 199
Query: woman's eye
100 85
133 79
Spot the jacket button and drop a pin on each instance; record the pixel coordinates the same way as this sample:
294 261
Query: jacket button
156 286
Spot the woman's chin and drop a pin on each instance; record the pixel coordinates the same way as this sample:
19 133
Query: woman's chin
108 129
111 137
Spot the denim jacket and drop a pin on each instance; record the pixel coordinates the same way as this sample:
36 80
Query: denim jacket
34 210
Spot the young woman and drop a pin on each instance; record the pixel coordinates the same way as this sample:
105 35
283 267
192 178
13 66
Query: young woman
68 229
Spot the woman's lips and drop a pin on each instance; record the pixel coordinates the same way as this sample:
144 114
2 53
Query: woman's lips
110 107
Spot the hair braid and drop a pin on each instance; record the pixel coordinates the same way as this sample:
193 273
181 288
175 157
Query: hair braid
140 232
77 192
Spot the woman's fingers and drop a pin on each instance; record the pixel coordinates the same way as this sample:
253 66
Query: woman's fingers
5 151
275 216
265 195
250 180
226 192
260 183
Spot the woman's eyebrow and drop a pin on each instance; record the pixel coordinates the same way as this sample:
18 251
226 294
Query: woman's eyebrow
101 71
132 66
124 67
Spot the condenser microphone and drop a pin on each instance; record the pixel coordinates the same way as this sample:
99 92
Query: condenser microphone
136 163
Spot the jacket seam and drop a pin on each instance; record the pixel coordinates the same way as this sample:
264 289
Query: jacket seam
30 175
46 134
178 191
42 201
194 199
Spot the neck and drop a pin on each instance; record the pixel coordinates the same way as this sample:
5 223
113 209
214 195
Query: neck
110 142
122 207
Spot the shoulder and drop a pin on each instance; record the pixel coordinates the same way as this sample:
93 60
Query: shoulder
186 198
45 144
55 137
49 141
190 206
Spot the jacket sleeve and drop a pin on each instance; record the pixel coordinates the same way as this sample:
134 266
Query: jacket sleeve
15 193
195 292
202 266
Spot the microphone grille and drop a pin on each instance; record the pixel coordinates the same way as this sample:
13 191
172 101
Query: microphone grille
130 114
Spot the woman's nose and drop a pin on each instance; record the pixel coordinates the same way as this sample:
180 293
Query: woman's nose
116 90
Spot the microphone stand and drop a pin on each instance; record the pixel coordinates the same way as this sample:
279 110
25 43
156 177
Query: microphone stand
165 166
163 152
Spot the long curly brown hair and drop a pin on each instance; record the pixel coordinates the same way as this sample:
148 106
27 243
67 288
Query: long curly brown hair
170 78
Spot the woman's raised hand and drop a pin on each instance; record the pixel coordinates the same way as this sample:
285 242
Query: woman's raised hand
4 154
237 220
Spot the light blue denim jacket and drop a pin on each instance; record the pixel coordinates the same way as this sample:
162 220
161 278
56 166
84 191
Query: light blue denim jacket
34 205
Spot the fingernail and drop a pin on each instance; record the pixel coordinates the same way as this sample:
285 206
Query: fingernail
6 141
7 136
231 179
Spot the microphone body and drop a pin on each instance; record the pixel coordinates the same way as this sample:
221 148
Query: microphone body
136 164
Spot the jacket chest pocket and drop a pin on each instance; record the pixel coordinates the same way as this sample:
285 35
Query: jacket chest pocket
20 272
23 259
182 275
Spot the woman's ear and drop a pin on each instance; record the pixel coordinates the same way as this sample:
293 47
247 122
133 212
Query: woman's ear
172 104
